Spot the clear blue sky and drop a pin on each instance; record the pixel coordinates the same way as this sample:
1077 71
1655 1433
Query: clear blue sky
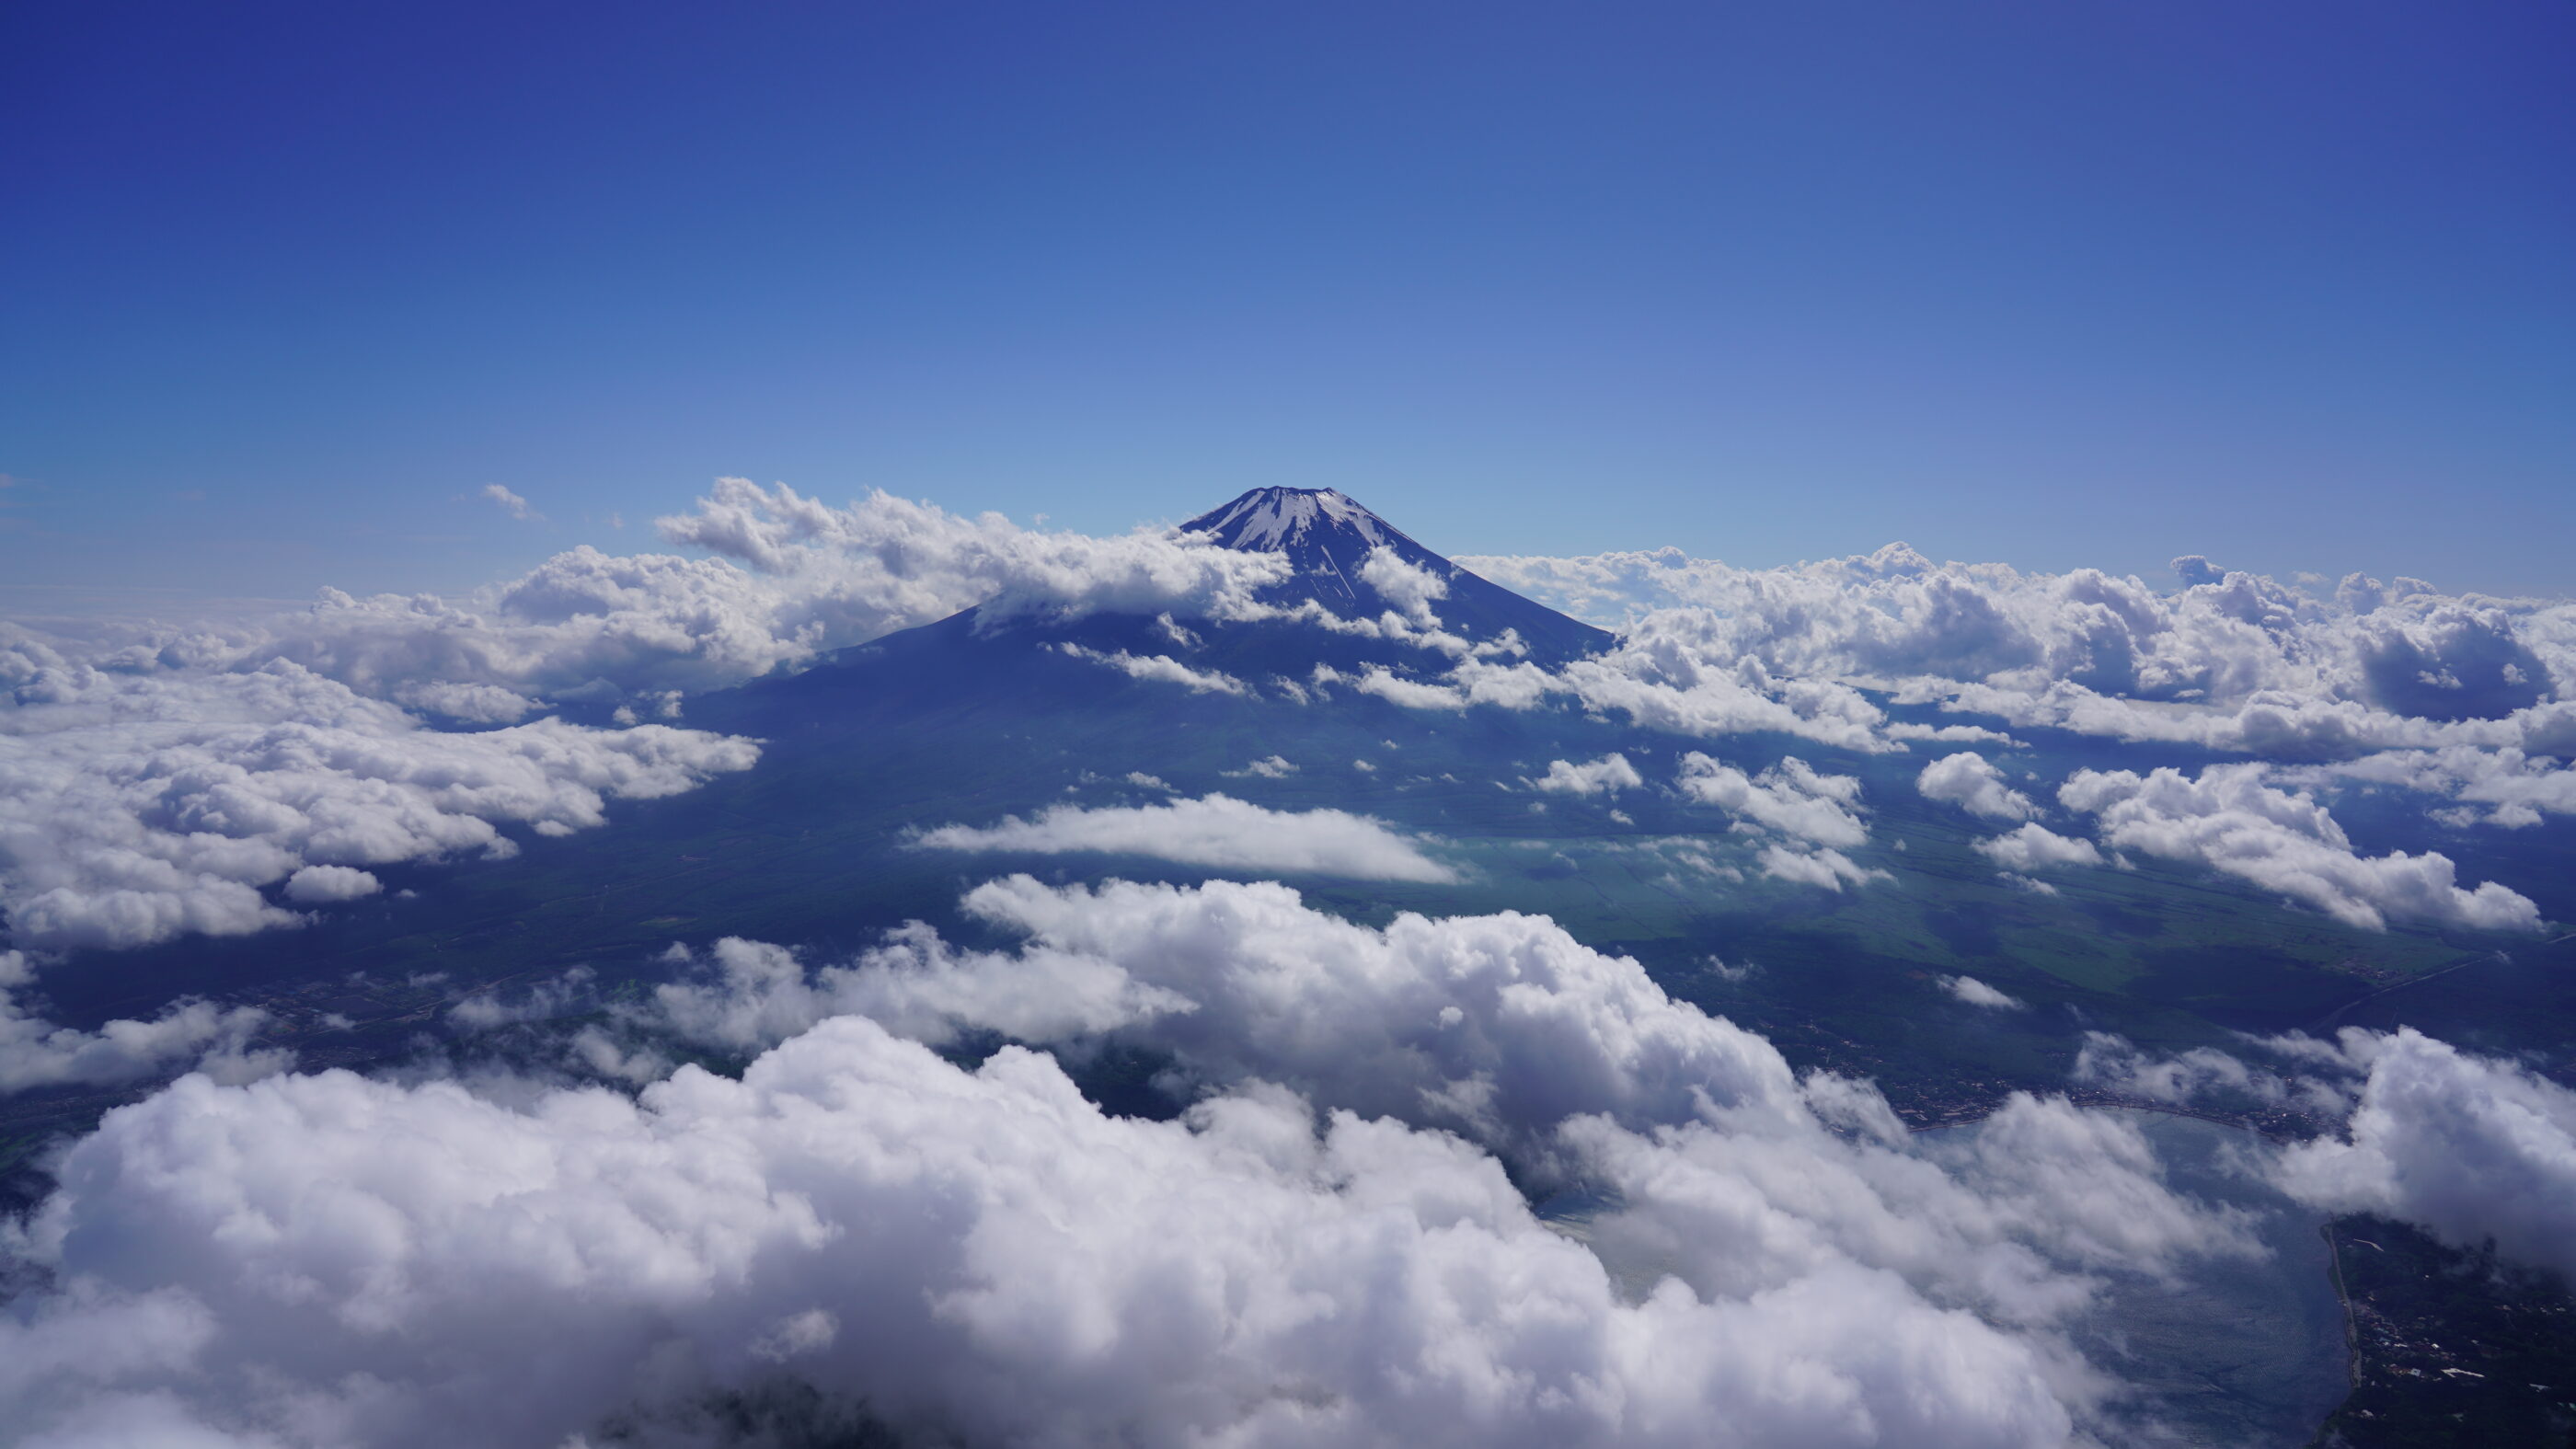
2291 284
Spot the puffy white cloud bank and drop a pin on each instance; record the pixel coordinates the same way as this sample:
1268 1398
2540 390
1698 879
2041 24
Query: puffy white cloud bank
788 579
2228 818
1304 1258
139 807
1218 831
1818 814
2475 1150
2231 661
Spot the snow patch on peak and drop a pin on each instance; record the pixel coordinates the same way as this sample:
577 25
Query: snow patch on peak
1272 519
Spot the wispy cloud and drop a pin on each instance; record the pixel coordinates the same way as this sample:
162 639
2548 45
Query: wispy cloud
511 503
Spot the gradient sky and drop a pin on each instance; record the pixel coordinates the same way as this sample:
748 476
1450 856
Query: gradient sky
2290 284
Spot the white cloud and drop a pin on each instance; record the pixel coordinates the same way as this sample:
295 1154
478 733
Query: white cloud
1791 797
2232 661
2206 1076
314 884
1411 589
1394 688
980 1254
791 580
136 808
1162 668
985 1255
1815 867
1948 734
2471 1148
1217 831
2037 848
512 504
916 984
187 1034
1971 782
1609 774
1977 993
1268 767
2230 820
2503 786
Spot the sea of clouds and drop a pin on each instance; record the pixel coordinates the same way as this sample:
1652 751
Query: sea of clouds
1336 1243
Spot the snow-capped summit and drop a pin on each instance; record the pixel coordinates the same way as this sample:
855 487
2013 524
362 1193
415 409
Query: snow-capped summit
1273 519
1358 565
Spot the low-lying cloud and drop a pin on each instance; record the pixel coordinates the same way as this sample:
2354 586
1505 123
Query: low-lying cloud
2228 818
1326 1247
1217 831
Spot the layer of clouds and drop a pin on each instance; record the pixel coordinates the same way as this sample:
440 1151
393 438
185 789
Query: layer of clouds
1303 1258
2231 661
1971 782
2228 818
138 807
1217 831
790 579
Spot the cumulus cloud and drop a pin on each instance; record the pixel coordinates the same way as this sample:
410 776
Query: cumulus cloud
984 1255
789 579
2504 786
2036 848
511 503
1816 867
136 808
980 1254
2231 661
2474 1150
1971 782
2320 1078
1970 990
2470 1148
1268 767
1217 831
1791 798
314 884
755 994
1610 773
188 1033
2229 819
1411 588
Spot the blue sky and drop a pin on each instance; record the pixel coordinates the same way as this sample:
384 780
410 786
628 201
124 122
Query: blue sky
285 287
